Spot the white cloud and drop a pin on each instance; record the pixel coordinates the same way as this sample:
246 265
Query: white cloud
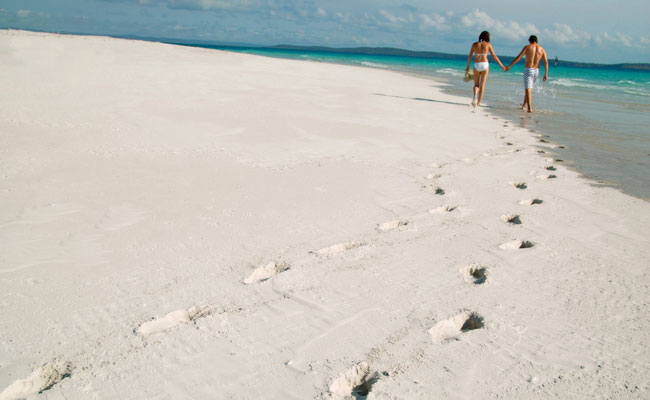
561 35
510 30
208 4
434 20
23 13
321 13
391 18
565 35
343 17
616 39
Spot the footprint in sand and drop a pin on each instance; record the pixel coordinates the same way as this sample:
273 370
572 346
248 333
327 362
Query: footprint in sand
392 225
557 146
266 272
516 244
450 328
474 273
541 151
546 176
550 168
438 190
171 320
355 383
442 209
438 165
519 185
339 248
432 177
39 381
530 202
511 219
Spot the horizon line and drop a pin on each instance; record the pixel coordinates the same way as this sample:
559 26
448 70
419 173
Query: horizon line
645 66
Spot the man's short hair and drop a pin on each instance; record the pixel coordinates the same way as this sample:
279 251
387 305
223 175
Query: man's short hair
532 39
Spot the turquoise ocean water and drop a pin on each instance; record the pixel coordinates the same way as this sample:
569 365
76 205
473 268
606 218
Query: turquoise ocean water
601 117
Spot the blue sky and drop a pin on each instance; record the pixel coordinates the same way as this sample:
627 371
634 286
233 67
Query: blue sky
580 30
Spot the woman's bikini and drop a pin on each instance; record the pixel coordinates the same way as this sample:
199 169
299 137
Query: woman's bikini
481 65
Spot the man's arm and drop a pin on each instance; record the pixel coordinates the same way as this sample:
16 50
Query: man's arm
545 65
516 60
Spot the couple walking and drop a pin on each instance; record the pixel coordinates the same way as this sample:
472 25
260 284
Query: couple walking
534 55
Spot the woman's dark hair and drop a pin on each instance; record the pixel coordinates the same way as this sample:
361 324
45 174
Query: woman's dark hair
484 37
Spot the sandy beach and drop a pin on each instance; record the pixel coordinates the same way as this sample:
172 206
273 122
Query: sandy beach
182 223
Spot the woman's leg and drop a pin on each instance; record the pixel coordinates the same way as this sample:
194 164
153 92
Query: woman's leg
481 89
476 84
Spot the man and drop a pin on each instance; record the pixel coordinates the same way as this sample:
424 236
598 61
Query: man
534 54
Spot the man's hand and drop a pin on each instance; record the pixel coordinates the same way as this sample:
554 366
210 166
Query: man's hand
545 77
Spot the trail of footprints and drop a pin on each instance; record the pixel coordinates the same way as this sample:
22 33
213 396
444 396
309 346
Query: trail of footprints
357 382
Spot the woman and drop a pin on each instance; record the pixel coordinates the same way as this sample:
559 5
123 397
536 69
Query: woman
480 51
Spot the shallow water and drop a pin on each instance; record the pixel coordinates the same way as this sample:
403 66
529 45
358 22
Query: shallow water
601 117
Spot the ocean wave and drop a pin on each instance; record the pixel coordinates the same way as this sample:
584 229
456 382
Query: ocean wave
627 82
637 92
372 64
576 83
451 71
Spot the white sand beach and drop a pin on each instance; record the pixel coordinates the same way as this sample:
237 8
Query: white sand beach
184 223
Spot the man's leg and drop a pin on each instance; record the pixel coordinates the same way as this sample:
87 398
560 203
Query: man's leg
528 98
525 102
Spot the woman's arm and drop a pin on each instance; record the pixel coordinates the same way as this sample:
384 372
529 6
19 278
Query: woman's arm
469 58
496 58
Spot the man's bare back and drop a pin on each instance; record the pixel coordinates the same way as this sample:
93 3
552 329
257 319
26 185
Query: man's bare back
534 54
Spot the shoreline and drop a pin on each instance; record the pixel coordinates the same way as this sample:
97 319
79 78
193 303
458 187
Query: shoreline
189 223
580 161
